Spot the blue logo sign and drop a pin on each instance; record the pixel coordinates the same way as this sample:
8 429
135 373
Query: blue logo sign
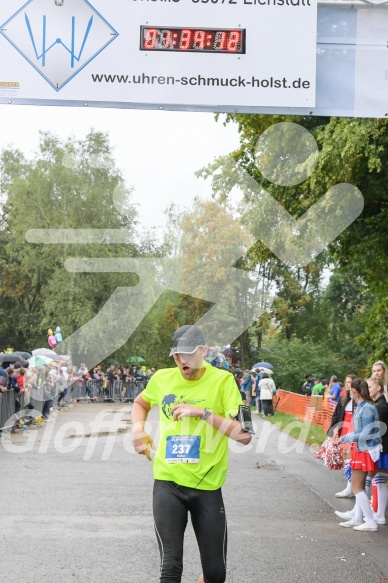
58 37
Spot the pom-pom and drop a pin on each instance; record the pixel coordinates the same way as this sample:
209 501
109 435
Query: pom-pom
334 459
321 452
348 471
330 453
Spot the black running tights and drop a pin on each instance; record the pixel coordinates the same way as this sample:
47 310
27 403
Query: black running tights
171 504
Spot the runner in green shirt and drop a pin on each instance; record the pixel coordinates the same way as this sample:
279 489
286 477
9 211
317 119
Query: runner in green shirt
198 404
317 388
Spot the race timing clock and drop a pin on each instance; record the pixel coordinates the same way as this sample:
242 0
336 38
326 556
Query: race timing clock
195 40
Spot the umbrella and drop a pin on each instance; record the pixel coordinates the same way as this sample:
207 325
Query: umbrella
55 358
10 358
262 365
23 354
264 369
36 361
237 370
135 359
44 352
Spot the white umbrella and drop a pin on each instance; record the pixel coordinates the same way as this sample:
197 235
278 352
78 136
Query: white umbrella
44 352
36 361
263 369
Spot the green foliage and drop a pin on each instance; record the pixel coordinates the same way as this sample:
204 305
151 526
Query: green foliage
68 185
351 315
152 338
375 333
311 326
209 241
294 358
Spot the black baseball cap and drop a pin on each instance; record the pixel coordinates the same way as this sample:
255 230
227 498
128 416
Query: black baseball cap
186 340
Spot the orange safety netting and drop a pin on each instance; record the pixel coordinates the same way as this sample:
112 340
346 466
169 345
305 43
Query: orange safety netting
315 410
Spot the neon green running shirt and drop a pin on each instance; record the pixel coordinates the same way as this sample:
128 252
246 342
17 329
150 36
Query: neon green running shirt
191 452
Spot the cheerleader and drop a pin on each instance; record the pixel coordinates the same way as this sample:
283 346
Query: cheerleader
366 447
342 423
380 371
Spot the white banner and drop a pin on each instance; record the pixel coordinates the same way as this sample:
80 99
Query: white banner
169 52
371 65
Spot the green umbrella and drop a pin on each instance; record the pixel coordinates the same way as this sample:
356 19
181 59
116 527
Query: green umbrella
133 359
36 361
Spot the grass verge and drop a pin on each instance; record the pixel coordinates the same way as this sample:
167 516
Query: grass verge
297 428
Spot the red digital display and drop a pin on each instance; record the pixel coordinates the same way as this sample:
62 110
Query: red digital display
195 40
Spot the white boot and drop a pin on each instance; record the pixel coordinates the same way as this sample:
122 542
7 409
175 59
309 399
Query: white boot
347 493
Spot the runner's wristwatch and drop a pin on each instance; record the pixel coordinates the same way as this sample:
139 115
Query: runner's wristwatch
206 414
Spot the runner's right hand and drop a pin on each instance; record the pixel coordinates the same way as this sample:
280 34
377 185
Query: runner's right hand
141 442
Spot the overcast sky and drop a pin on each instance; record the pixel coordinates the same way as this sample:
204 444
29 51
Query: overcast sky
158 151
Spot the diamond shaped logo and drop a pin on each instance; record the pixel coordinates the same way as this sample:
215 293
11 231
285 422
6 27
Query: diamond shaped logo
58 37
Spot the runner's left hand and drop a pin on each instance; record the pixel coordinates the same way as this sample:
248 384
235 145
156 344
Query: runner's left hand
180 411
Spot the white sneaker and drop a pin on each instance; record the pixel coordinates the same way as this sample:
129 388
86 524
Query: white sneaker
367 527
344 494
345 515
255 412
379 519
350 523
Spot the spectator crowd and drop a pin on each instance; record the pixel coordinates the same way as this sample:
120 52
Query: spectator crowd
59 383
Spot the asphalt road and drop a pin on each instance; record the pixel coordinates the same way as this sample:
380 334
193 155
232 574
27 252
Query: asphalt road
79 509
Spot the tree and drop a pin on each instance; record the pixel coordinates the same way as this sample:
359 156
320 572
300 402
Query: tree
351 151
210 246
68 185
294 358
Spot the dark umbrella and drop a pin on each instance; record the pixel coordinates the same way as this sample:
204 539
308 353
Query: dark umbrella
238 370
262 365
10 358
24 355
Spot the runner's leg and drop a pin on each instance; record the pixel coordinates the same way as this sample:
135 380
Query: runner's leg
170 515
209 523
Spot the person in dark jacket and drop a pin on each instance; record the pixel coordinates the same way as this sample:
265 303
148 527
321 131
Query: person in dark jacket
308 385
342 422
12 382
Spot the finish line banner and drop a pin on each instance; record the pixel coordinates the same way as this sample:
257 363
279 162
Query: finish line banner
180 52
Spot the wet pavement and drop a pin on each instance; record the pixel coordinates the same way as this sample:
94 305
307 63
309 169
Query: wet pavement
76 506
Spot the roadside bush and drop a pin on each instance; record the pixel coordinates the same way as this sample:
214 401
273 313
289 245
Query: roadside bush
294 358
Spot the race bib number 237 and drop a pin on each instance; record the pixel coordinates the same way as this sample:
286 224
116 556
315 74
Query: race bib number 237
183 449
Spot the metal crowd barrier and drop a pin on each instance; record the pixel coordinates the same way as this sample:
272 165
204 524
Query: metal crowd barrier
90 391
27 412
94 390
37 398
131 390
79 392
7 410
75 391
113 392
116 391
